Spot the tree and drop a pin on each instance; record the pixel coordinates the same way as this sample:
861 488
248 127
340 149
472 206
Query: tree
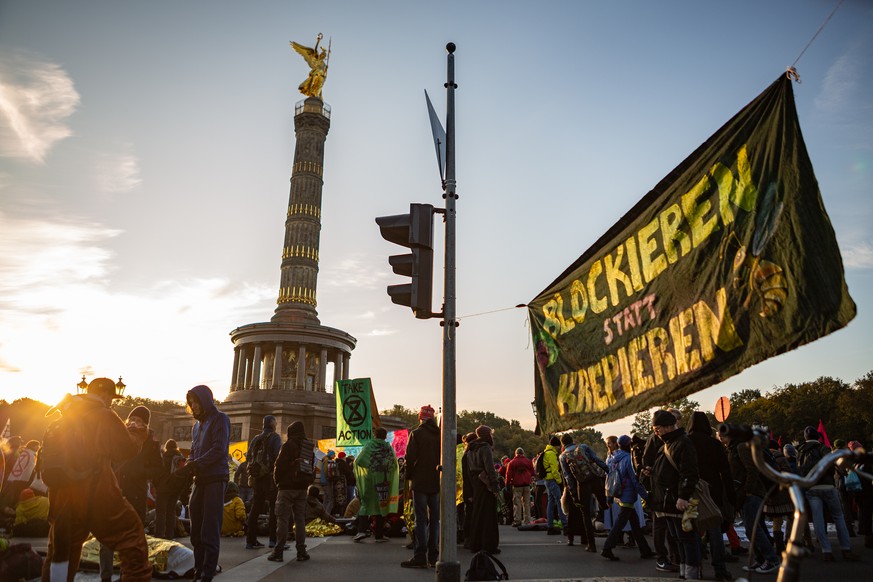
407 415
743 397
468 420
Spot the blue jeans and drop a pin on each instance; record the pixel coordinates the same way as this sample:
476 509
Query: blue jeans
689 542
817 499
554 502
763 547
427 525
207 510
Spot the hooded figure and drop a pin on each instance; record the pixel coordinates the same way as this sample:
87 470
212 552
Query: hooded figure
208 463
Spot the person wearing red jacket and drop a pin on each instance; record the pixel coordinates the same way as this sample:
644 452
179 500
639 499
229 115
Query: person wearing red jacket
519 475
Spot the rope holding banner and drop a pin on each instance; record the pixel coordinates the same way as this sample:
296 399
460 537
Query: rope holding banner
792 74
820 28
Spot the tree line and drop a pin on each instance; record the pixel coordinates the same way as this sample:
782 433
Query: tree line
845 409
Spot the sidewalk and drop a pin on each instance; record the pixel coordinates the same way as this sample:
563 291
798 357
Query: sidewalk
527 555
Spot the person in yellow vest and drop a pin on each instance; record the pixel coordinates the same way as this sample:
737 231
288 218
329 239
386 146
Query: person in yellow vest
31 515
234 519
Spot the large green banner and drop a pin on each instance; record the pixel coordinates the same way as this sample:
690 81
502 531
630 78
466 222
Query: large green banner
354 420
729 260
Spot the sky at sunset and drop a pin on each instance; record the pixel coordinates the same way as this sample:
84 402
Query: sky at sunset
146 149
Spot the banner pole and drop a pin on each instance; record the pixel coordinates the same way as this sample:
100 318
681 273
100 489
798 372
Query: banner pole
448 569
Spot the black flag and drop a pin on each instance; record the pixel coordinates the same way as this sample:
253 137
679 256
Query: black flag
729 260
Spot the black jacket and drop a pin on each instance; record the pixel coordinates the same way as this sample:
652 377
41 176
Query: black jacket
272 442
423 458
285 473
668 483
712 460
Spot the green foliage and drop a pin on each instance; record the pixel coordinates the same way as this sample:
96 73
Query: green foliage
743 397
407 415
468 420
846 410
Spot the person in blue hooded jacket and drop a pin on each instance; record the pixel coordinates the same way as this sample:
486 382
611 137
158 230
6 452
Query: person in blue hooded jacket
207 462
620 463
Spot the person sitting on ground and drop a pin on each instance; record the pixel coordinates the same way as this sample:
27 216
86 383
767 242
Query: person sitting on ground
315 508
31 515
234 520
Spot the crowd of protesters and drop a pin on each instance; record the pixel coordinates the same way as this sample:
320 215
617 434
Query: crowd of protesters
642 487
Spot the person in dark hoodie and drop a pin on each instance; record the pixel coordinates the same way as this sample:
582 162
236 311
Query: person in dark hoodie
674 476
712 462
263 486
293 473
422 462
207 463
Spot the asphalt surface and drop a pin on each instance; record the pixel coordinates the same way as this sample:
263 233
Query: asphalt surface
527 556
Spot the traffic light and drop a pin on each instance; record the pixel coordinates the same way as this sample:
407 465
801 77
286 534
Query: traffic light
415 231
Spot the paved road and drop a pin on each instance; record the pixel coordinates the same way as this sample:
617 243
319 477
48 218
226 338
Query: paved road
527 555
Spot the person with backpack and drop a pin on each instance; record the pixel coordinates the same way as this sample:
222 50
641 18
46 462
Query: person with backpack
821 495
520 474
554 486
168 488
207 463
621 470
263 451
583 472
294 471
329 472
84 495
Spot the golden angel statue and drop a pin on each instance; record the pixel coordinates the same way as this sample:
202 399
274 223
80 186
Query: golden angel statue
317 62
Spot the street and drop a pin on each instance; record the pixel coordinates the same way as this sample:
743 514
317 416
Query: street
526 555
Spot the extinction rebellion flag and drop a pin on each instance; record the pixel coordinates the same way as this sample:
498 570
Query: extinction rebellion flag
354 421
729 260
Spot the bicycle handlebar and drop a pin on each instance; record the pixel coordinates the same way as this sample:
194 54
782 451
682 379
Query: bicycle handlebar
760 440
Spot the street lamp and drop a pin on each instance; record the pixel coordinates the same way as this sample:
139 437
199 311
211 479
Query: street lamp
82 386
119 387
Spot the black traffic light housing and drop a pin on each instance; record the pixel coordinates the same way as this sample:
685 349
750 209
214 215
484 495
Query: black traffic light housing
414 231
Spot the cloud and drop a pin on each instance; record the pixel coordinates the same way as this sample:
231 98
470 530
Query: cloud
380 332
353 272
63 314
39 253
36 98
118 172
839 84
858 256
